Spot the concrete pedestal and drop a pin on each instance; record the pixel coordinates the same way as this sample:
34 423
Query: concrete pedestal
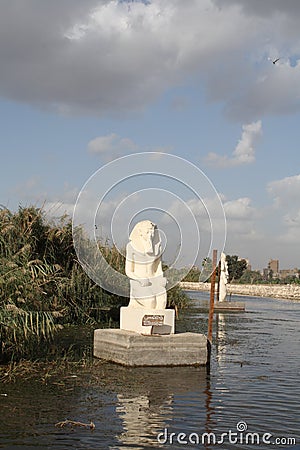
229 306
147 321
132 349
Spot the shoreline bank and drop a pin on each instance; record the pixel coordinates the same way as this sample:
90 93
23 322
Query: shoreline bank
284 291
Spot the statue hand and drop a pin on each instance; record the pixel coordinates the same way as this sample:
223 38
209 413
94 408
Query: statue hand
145 282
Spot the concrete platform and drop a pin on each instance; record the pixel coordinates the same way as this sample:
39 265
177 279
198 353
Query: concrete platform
133 349
229 306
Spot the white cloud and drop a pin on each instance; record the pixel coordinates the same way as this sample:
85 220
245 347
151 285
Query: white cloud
239 209
285 191
244 153
202 210
244 230
291 231
242 221
111 146
272 93
106 56
240 215
293 220
286 194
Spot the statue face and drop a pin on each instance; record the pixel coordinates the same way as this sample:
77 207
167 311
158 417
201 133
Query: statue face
147 234
142 235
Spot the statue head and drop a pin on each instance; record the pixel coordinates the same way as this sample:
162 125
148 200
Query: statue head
145 237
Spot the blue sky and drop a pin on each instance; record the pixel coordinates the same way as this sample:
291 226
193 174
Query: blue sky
83 83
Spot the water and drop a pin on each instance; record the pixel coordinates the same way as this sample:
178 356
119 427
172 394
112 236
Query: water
253 382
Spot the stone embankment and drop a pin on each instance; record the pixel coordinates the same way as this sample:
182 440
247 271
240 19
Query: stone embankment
286 291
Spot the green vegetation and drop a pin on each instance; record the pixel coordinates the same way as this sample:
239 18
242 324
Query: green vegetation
251 277
193 275
203 275
44 288
236 267
255 277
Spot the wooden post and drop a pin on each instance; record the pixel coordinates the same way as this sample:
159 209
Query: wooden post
212 296
218 282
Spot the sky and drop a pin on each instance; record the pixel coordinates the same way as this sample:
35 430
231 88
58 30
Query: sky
84 83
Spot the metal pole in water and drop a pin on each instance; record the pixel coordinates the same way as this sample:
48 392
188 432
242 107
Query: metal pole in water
218 282
212 296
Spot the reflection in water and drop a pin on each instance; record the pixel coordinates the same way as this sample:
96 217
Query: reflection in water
209 423
157 402
140 418
220 337
255 366
254 377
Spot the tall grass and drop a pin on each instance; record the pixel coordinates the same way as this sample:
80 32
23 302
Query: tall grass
42 284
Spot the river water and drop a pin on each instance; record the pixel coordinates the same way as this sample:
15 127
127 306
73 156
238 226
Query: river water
248 399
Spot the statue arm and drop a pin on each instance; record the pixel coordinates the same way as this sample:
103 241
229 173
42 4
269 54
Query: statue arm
158 267
129 264
158 271
130 268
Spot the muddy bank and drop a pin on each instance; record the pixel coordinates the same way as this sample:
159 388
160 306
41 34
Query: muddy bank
287 291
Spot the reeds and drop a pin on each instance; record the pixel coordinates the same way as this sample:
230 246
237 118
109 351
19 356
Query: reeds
42 284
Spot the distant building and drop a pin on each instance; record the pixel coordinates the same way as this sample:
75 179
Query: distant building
274 267
272 271
265 273
284 273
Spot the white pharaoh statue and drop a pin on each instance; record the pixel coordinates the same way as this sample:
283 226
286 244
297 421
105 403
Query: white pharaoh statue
144 268
223 278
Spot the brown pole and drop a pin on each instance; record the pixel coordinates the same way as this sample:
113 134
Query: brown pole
212 296
218 282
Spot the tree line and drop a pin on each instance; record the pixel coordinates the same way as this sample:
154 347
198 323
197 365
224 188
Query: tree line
236 269
238 273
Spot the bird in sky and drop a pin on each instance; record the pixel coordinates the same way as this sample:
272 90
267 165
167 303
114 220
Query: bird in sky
274 61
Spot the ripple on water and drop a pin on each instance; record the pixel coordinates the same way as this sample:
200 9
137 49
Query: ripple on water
254 377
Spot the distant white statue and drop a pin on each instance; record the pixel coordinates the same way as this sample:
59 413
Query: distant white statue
144 267
223 278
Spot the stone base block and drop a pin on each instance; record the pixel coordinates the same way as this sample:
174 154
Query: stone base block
147 321
229 306
133 349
